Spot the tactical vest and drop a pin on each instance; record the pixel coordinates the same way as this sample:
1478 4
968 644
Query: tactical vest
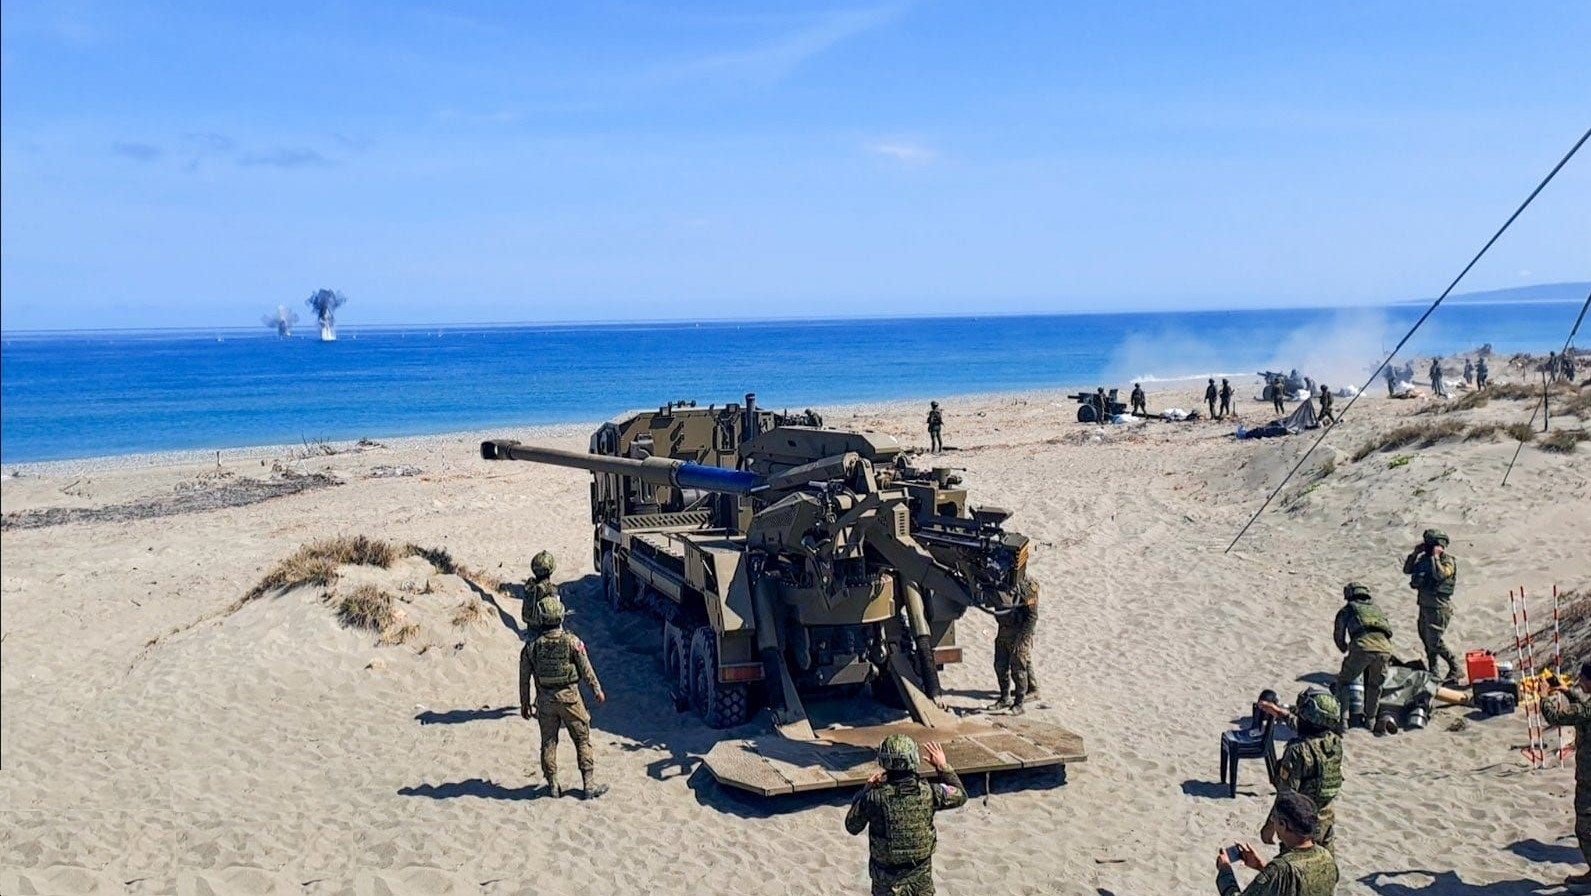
904 832
552 660
1322 772
1367 617
935 419
1435 575
1313 871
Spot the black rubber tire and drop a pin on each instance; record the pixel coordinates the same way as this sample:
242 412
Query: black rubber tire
617 585
1085 414
720 705
676 658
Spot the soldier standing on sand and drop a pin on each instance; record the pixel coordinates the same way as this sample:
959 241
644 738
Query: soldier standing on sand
556 660
1226 399
539 588
1469 372
1304 868
1278 395
1101 406
1571 707
936 422
1326 415
1437 386
1392 381
1433 574
1210 395
1013 651
897 808
1138 405
1482 374
1311 764
1364 636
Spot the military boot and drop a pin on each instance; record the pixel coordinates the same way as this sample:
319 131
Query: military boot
1003 703
592 789
1016 706
554 789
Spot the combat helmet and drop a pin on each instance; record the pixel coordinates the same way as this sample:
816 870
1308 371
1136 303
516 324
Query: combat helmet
1319 708
898 753
1436 536
550 611
1355 591
542 565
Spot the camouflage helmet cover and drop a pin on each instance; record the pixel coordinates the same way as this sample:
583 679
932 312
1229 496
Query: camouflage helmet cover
1436 536
1320 708
550 611
543 564
898 753
1355 591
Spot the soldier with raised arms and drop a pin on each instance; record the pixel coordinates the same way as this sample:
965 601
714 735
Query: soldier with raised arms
897 808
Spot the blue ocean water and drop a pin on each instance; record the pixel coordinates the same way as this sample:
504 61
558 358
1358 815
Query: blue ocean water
86 394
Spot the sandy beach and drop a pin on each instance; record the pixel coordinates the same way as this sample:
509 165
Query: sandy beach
162 736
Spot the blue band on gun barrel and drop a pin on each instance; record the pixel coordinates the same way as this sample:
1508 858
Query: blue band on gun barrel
717 479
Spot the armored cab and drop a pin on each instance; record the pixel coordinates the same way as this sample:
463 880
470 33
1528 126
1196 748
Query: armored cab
783 558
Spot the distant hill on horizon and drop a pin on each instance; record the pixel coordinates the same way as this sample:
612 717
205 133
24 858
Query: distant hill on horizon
1539 292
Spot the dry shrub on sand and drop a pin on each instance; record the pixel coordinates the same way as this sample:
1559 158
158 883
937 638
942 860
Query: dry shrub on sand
439 558
1420 435
1520 432
1563 441
316 563
367 607
468 612
400 634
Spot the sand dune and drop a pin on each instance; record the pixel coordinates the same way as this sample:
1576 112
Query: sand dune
271 749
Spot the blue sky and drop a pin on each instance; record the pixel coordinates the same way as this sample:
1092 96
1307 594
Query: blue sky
198 164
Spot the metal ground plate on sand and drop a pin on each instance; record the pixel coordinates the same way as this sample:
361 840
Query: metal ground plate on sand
844 757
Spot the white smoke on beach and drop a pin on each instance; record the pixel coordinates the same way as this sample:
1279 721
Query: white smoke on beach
282 321
325 303
1340 350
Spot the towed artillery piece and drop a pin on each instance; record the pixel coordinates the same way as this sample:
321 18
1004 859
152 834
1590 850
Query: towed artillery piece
785 560
1088 410
1292 383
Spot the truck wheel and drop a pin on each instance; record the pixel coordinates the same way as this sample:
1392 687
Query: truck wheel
720 705
617 584
676 659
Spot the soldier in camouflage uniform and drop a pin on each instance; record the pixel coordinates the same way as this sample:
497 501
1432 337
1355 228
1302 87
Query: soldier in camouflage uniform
1311 764
556 660
936 422
1433 574
1364 635
1139 407
1573 707
1013 651
538 589
1210 395
1482 374
1304 868
1226 399
897 809
1327 416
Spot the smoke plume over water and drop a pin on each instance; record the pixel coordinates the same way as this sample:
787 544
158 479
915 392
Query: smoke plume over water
325 303
282 321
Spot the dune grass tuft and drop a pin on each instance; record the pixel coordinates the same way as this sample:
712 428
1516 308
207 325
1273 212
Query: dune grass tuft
1419 435
1520 432
1564 441
368 607
439 558
468 612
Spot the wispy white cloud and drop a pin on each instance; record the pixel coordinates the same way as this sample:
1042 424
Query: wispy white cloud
777 58
906 152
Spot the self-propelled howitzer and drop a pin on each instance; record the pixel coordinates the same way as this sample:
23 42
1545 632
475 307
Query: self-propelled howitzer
786 559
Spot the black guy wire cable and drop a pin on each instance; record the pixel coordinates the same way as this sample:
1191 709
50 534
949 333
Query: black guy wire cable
1407 336
1543 402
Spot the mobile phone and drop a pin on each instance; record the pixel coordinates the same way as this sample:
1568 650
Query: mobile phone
1234 855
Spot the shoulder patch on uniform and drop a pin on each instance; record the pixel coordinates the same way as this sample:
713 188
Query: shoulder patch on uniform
947 790
580 646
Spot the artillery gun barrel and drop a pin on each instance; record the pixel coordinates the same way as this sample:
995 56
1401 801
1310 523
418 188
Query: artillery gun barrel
653 470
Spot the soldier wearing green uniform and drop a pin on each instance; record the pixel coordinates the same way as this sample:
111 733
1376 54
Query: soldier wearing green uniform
538 589
897 808
1139 407
1364 635
556 661
1278 395
1573 707
1210 395
936 422
1327 416
1482 374
1013 651
1226 399
1311 764
1304 868
1433 574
